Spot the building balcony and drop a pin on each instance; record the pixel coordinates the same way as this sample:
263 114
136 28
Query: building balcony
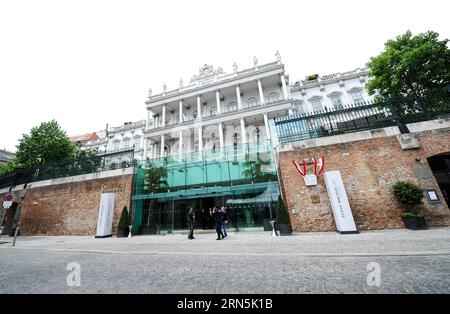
247 109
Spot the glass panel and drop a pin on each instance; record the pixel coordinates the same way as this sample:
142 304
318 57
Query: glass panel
316 105
242 178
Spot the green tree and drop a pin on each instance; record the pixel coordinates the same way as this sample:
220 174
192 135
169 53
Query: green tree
312 77
155 179
410 66
282 212
47 143
124 221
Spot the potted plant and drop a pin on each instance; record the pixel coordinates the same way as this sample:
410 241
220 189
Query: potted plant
410 195
123 228
283 224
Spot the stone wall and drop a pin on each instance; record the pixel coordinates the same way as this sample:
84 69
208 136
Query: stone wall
70 207
369 167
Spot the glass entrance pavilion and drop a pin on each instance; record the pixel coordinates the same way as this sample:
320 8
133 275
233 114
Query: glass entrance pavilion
243 178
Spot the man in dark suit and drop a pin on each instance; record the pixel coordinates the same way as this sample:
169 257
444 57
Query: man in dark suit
218 215
191 221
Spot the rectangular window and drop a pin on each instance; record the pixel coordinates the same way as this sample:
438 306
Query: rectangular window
316 105
336 101
137 143
116 145
126 143
357 96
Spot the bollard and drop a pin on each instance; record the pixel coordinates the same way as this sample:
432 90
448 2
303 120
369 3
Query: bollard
274 232
15 236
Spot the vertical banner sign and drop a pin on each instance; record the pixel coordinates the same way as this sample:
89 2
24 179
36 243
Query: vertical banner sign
339 202
105 215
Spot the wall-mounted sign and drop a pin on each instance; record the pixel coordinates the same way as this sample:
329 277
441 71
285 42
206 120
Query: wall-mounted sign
311 178
339 202
8 200
105 215
433 196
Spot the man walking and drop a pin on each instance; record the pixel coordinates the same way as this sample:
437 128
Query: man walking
191 221
219 222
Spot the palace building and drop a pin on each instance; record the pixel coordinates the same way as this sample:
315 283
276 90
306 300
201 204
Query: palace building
237 140
210 143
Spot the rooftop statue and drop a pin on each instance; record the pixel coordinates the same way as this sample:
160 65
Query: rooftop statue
206 71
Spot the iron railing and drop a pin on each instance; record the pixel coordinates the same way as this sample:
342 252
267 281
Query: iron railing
67 168
363 116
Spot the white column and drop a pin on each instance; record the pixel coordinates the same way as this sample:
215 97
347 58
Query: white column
219 111
261 93
238 95
148 119
155 147
199 107
180 112
283 83
243 135
145 149
200 139
221 143
163 118
266 124
180 143
162 145
290 112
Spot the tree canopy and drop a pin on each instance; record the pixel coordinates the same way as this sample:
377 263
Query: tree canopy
46 143
410 66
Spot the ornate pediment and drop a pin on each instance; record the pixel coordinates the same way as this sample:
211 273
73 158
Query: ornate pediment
205 72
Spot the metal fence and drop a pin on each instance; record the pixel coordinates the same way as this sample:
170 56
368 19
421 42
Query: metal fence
362 116
67 168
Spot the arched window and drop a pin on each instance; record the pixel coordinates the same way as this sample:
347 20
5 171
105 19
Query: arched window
126 143
116 144
299 107
232 106
336 100
252 102
357 96
316 104
273 97
137 142
213 111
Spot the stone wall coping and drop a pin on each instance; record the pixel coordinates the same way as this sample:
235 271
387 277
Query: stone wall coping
364 135
72 179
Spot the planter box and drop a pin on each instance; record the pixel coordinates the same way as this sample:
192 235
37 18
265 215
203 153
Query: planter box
123 233
284 229
415 223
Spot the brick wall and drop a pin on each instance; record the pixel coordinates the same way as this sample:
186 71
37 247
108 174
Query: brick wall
369 168
71 208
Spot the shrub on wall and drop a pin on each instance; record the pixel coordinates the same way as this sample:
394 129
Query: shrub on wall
124 221
282 212
408 193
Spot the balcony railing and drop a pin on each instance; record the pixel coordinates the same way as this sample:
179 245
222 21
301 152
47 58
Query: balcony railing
362 116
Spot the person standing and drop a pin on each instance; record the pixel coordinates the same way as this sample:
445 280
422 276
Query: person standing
219 221
191 221
225 221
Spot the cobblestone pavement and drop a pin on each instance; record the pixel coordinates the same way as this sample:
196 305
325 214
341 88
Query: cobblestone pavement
409 262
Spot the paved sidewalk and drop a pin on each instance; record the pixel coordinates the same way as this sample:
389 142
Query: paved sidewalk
410 262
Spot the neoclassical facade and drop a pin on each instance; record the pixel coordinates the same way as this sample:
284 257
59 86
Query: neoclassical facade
217 110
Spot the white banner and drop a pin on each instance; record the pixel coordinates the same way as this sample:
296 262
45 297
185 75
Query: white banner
105 215
339 202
